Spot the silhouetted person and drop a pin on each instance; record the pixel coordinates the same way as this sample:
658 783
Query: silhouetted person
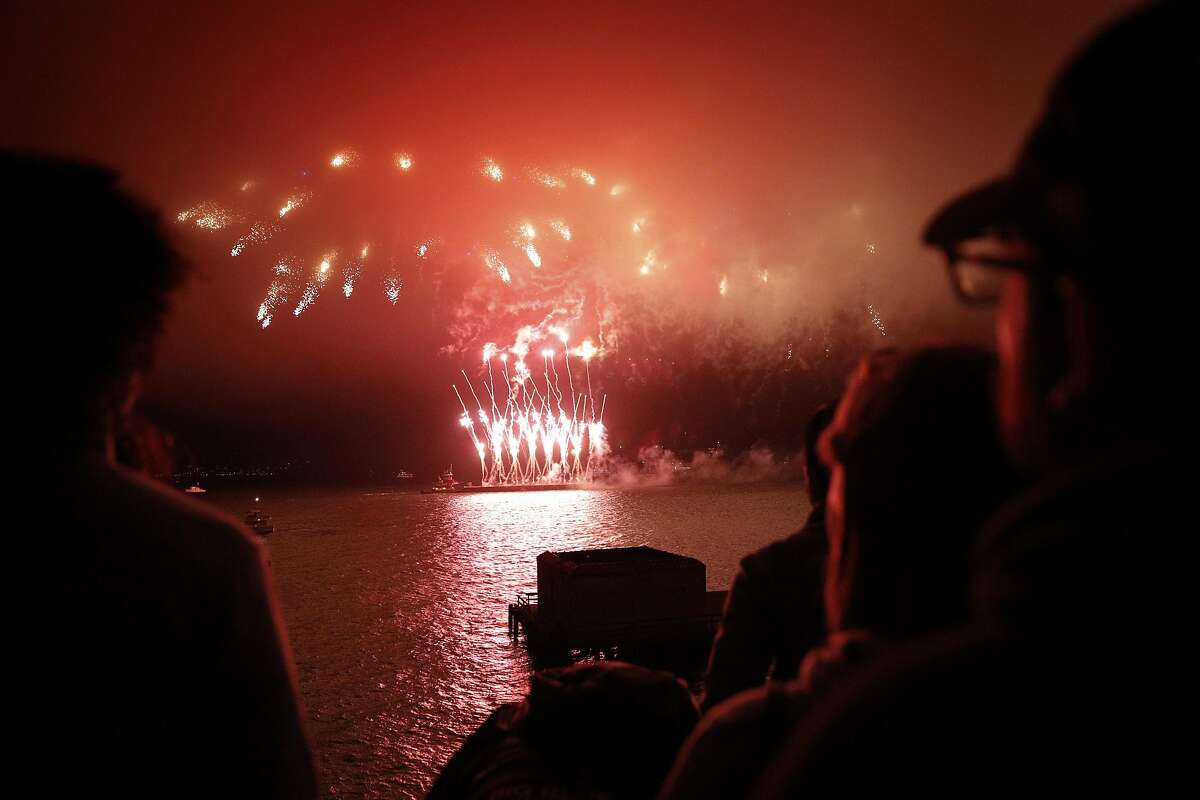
773 613
588 731
917 464
1077 673
152 652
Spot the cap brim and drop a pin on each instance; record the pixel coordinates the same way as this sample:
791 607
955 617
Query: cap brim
986 207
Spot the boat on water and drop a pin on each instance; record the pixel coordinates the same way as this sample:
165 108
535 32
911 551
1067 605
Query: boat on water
446 482
196 488
404 475
259 522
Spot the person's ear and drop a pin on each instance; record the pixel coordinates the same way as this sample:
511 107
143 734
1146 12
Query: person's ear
1076 377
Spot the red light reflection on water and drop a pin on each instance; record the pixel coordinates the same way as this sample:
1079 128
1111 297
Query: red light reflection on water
510 529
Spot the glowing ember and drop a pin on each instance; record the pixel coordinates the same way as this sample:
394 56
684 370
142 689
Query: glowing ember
492 170
648 263
586 350
343 159
403 161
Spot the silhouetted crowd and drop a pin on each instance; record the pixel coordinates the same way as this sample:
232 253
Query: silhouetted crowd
990 596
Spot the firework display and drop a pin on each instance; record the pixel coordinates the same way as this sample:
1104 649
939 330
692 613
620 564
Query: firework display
535 430
522 254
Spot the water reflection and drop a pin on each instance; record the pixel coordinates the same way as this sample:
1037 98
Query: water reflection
396 602
507 531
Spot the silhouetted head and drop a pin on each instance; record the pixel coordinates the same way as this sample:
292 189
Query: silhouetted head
1086 244
96 264
917 467
816 474
613 726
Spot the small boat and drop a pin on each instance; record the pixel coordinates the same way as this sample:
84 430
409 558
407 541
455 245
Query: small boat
196 488
446 482
404 475
259 522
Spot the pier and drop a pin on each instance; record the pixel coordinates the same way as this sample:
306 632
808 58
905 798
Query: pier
618 599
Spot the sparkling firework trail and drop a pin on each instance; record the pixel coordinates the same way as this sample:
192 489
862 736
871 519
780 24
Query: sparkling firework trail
292 203
392 285
546 179
496 264
528 437
561 228
876 320
307 299
208 216
259 232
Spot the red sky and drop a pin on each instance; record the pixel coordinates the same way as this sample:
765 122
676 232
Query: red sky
732 112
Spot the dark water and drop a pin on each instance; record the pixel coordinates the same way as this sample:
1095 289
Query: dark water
396 602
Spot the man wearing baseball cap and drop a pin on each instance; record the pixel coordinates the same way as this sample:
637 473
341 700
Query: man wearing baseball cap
1078 673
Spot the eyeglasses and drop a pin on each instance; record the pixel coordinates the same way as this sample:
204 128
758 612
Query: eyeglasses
977 270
